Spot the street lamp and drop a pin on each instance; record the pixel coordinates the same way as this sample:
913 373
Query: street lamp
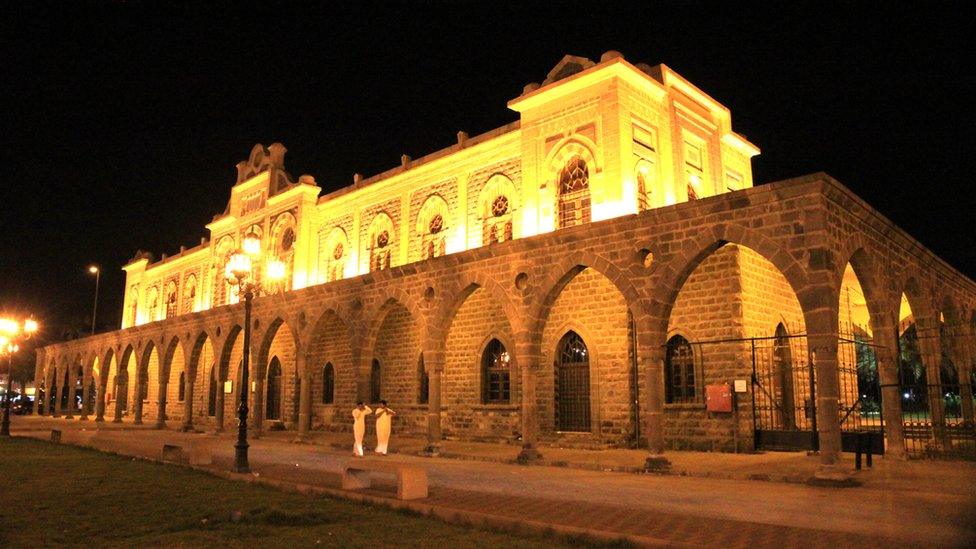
238 273
11 332
93 269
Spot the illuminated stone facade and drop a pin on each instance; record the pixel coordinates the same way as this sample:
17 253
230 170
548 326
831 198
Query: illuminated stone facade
532 283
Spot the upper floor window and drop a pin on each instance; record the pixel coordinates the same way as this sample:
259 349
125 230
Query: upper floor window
189 293
379 253
152 303
380 242
574 193
645 176
171 300
432 225
733 181
679 371
498 227
695 153
337 265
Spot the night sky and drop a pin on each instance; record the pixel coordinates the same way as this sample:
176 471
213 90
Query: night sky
122 122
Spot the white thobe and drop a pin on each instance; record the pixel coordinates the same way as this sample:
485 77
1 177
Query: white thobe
384 417
359 428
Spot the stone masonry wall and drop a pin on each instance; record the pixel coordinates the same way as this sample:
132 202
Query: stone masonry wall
477 321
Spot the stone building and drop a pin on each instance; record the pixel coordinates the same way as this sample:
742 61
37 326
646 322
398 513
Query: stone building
599 273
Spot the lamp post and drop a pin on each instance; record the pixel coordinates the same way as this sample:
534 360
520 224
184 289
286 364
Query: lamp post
238 272
93 269
11 332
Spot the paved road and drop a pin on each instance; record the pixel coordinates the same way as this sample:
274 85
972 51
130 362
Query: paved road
939 511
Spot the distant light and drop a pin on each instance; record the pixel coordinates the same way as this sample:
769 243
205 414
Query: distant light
906 395
93 269
251 244
276 270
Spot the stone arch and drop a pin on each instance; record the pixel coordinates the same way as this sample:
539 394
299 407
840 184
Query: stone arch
202 357
567 148
280 342
331 339
567 269
396 333
459 292
669 274
594 298
375 316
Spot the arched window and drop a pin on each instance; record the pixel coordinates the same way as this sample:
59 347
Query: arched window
380 241
189 293
432 225
152 303
337 265
679 371
496 209
572 384
181 395
574 193
423 382
171 302
434 242
374 381
333 255
284 238
496 374
221 288
328 384
273 400
133 306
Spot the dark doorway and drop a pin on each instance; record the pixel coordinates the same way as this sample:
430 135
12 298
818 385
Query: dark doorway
273 402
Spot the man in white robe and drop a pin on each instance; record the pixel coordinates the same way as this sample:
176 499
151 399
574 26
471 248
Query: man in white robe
359 414
384 418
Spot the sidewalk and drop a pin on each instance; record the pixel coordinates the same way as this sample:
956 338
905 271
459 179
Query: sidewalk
901 504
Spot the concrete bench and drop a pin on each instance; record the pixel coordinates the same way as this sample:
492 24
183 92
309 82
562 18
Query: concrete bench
411 481
187 452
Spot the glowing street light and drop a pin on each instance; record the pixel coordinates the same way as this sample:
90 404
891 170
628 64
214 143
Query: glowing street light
93 269
11 333
238 272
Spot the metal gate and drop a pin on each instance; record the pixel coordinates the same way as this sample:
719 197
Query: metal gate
573 385
785 392
935 406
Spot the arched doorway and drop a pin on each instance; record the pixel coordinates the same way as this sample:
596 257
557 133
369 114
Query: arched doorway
273 400
572 384
783 384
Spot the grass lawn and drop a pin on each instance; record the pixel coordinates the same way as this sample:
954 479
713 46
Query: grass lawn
54 495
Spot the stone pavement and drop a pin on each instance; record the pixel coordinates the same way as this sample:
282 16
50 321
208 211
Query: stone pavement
900 503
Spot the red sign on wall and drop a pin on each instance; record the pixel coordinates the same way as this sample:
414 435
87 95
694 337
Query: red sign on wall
718 398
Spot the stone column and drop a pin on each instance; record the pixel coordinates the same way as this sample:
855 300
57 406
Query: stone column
69 412
528 360
188 402
304 397
59 393
930 347
161 399
85 395
963 359
100 401
137 396
887 355
434 363
822 336
652 364
118 393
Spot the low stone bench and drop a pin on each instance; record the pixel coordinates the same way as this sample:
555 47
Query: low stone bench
411 480
80 438
189 452
56 436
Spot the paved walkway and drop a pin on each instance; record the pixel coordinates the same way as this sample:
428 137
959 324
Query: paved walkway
900 503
